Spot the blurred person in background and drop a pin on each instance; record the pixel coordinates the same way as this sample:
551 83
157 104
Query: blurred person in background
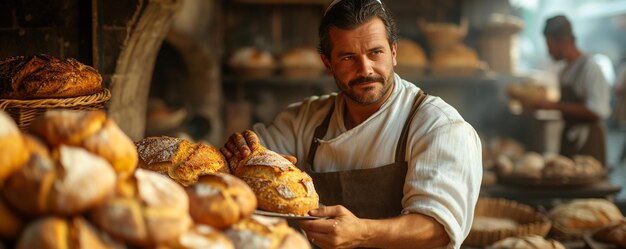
396 168
585 92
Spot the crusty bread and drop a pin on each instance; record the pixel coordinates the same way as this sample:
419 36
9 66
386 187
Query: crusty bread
182 160
454 58
43 76
258 232
527 242
151 208
92 131
410 54
10 223
59 233
72 182
615 233
278 184
301 62
252 62
220 200
584 215
13 153
200 236
558 165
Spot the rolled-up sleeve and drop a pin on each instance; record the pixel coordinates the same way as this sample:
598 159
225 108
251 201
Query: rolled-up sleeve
443 178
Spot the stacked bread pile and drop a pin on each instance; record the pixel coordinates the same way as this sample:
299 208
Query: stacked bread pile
449 56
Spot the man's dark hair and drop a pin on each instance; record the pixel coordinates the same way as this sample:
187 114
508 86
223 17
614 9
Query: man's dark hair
350 14
558 27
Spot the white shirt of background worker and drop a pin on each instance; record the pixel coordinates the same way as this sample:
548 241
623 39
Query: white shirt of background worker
443 152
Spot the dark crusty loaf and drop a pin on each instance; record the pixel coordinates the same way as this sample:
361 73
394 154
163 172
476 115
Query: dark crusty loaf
182 160
43 76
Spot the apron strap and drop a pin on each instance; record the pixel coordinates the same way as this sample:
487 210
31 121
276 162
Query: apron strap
321 130
404 136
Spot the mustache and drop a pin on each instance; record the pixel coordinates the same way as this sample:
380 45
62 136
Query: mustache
366 79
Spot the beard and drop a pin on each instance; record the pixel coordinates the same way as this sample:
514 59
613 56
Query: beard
366 99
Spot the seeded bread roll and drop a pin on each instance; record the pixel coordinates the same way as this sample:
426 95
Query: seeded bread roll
615 233
13 153
259 232
585 215
277 183
151 208
527 242
43 76
92 131
182 160
71 182
220 200
200 236
60 233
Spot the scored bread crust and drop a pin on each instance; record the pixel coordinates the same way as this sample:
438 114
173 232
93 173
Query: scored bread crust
278 184
44 76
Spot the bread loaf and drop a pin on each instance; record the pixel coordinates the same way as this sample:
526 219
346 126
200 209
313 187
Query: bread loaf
258 232
527 242
113 145
220 200
456 56
10 223
410 54
150 207
182 160
559 166
278 184
13 153
200 237
580 216
43 76
302 62
614 233
73 181
484 223
60 233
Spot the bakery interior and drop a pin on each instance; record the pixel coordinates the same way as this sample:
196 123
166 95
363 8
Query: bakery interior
202 69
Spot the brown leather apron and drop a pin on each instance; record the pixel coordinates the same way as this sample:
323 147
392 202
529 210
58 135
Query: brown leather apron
596 140
368 193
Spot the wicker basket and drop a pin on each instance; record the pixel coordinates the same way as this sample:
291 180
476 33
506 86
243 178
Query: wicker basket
25 111
530 221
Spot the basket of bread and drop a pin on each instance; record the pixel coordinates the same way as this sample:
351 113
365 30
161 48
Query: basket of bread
580 217
30 85
75 180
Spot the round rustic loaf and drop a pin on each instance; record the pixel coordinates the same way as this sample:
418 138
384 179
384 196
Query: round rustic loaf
259 232
200 236
151 208
573 219
54 233
527 242
277 183
44 76
220 200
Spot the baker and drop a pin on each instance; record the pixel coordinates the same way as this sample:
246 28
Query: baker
585 92
393 166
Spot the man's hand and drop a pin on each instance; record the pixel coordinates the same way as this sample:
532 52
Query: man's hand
240 145
343 230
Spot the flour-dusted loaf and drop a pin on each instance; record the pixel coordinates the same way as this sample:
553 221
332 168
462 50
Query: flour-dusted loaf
151 208
577 217
13 153
60 233
220 200
92 131
182 160
259 232
614 233
44 76
72 181
277 183
200 237
527 242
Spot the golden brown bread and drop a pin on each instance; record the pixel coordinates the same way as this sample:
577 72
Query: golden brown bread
151 208
527 242
59 233
277 183
13 153
220 200
259 232
615 233
200 236
410 54
10 223
73 181
43 76
182 160
454 57
92 131
585 215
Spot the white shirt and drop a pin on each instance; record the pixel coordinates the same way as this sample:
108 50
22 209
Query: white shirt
590 82
443 152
